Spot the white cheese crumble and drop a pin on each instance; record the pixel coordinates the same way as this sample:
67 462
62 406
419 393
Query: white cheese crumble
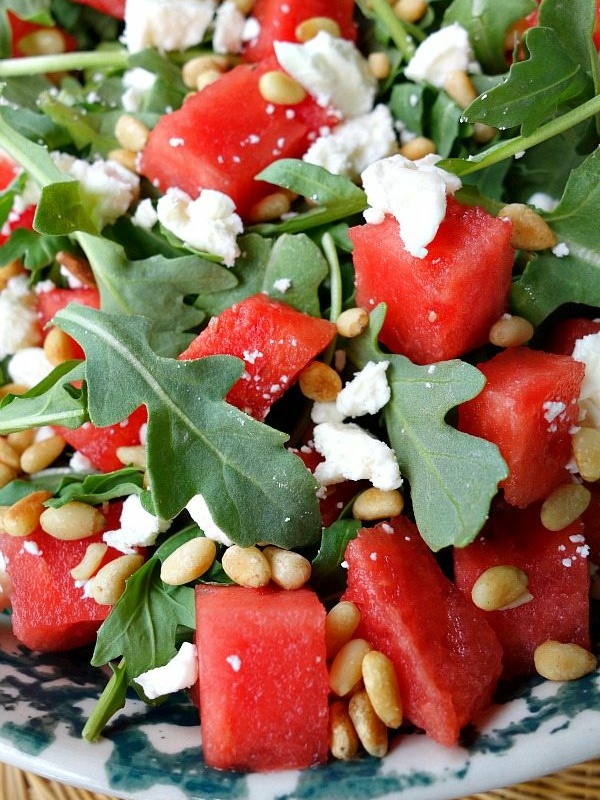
208 223
31 547
282 285
543 201
137 82
179 673
587 351
355 144
230 24
166 24
18 317
145 215
441 53
235 662
352 453
367 392
80 463
199 511
414 192
332 70
137 527
561 249
29 366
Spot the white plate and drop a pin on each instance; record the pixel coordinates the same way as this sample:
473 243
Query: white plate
154 753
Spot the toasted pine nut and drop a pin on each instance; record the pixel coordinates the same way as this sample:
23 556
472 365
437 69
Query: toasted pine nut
58 346
459 86
206 78
131 133
562 661
343 740
499 587
40 455
483 133
530 231
189 561
346 668
23 517
246 566
244 6
370 729
564 505
309 28
134 454
511 331
318 381
410 10
10 270
586 451
378 504
193 69
20 440
12 388
77 266
43 42
73 521
126 158
381 685
277 87
417 147
8 454
340 623
289 570
108 584
6 474
352 322
270 207
90 562
380 65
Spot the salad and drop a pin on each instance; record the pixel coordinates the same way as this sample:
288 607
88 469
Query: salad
300 351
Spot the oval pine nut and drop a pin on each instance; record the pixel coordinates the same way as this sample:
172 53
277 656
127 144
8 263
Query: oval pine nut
530 231
20 440
380 65
10 270
370 729
40 455
278 88
193 70
289 570
7 474
410 10
564 505
23 517
459 86
417 147
126 158
90 562
131 133
309 28
270 207
58 346
340 623
320 382
563 661
346 668
43 42
499 586
133 454
73 521
8 454
343 739
586 452
352 322
189 561
381 685
246 566
108 584
376 503
511 331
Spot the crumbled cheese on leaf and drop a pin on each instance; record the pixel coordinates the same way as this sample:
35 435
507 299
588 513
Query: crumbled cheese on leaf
29 366
179 673
138 528
18 317
137 82
230 24
441 53
145 215
367 392
587 351
199 511
166 25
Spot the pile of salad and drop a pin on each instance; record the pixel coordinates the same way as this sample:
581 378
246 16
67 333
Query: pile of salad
300 358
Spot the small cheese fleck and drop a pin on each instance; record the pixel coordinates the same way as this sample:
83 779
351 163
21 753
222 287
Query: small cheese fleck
235 662
137 83
179 673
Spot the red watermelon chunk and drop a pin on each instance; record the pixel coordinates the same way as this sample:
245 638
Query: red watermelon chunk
263 682
443 305
52 301
557 568
275 341
528 408
566 332
114 8
447 657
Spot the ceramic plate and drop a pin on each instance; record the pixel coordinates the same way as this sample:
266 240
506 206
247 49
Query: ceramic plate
153 753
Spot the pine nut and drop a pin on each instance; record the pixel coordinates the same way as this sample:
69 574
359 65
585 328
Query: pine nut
10 270
586 451
206 78
6 474
131 133
189 561
352 322
483 133
511 331
126 158
5 590
90 562
289 570
561 661
378 504
340 623
370 729
12 388
108 584
417 147
346 668
309 28
246 566
58 346
77 266
499 587
244 6
40 455
564 505
318 381
530 231
381 685
193 69
20 440
343 740
43 42
23 517
279 88
8 455
410 10
134 454
270 207
73 521
380 65
459 86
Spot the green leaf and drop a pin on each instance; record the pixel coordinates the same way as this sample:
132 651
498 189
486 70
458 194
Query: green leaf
445 123
549 281
327 574
96 489
77 124
111 700
196 442
576 36
407 104
32 249
535 88
297 259
62 210
487 22
453 476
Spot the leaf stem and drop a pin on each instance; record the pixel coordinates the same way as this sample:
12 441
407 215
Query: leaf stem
398 33
111 700
335 278
38 65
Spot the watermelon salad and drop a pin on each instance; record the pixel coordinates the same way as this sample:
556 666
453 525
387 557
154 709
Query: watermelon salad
300 352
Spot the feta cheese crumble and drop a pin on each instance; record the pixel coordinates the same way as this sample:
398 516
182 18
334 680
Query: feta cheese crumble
137 82
367 392
332 70
414 192
29 366
199 511
441 53
18 317
180 672
138 528
166 24
587 351
229 28
208 223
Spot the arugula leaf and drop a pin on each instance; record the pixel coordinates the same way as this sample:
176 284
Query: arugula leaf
453 476
445 123
550 281
76 123
111 700
33 250
196 442
535 88
326 565
95 489
576 36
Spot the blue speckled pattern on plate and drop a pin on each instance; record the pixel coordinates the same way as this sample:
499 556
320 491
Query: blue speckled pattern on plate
155 753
